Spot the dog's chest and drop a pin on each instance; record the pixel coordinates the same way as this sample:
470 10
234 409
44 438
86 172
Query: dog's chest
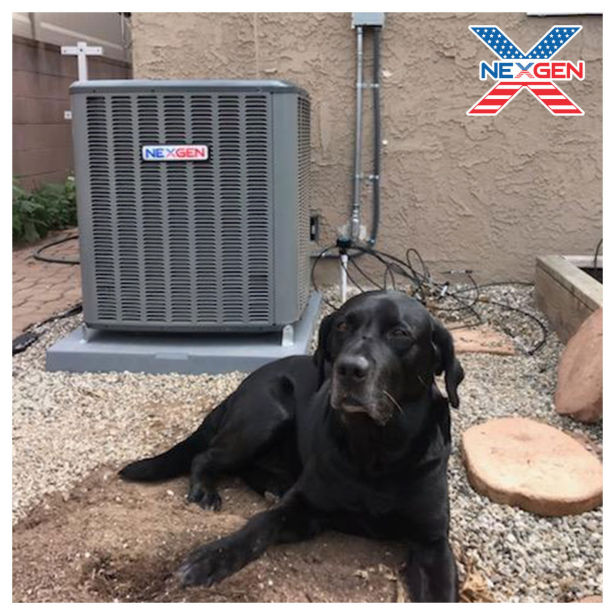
384 506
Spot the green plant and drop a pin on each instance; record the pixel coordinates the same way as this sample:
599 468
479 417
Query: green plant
50 207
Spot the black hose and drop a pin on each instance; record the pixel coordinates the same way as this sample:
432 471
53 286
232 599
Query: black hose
377 139
313 279
543 329
30 334
50 259
351 259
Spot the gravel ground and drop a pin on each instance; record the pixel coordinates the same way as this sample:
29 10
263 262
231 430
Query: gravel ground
67 425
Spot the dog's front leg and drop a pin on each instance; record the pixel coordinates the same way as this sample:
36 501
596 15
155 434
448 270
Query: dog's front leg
290 520
431 572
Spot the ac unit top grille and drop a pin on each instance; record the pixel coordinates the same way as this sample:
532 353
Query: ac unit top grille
119 86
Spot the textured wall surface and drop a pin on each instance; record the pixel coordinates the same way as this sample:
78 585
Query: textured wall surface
468 192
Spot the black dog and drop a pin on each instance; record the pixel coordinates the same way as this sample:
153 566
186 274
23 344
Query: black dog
356 440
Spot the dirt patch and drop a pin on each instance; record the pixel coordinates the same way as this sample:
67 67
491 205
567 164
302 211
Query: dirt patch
116 541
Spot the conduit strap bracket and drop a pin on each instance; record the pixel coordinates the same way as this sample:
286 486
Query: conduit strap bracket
369 178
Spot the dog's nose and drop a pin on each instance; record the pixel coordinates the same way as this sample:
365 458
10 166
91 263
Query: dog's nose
352 367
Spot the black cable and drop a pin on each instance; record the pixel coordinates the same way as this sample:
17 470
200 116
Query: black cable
435 291
71 311
29 335
377 138
466 306
543 329
389 271
368 278
50 259
381 256
475 286
426 275
24 340
313 279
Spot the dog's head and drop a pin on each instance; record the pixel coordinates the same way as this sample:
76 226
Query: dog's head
382 350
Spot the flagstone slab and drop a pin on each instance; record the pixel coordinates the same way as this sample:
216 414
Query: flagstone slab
531 465
482 339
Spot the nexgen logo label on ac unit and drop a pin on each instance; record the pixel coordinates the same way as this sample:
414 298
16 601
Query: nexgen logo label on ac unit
164 153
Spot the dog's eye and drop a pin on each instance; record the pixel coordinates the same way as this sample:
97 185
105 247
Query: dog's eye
399 332
342 326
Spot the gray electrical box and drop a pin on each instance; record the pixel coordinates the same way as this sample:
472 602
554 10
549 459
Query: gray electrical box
193 203
368 19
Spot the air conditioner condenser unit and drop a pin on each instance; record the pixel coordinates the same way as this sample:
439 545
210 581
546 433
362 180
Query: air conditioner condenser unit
193 204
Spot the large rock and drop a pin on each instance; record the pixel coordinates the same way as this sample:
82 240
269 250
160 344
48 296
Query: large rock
579 376
524 463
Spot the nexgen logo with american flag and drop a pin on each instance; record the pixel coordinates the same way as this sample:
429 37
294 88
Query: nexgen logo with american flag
534 71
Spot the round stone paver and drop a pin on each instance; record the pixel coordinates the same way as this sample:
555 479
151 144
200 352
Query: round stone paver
524 463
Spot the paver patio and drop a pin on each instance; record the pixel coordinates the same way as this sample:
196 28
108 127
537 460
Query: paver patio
41 289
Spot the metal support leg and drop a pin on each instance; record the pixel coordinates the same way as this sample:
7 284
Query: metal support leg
88 333
288 335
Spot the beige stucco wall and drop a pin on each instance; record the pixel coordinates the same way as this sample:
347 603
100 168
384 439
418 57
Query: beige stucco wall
482 193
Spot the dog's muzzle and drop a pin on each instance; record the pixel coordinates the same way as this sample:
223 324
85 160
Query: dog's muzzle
353 389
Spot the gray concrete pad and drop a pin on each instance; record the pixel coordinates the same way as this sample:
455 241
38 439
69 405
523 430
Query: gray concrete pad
191 353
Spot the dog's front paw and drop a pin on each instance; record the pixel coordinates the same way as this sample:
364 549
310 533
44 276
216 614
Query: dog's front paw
195 494
207 500
211 501
208 565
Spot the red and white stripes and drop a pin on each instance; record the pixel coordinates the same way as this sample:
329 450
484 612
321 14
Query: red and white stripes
545 91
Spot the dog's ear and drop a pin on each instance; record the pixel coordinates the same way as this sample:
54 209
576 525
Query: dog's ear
446 361
322 355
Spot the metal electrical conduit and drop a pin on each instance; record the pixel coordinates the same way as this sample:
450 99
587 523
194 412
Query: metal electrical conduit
355 213
355 219
377 139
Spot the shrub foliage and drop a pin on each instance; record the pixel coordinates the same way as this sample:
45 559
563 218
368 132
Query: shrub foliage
50 207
